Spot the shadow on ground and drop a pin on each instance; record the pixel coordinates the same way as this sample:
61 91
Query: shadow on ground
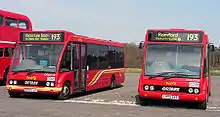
49 97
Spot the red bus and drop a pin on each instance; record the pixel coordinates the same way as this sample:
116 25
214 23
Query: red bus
61 63
176 66
10 26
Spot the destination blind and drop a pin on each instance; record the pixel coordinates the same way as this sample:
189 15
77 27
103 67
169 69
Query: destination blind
175 36
42 37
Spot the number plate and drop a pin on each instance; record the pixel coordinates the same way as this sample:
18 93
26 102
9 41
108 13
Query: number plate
172 97
30 90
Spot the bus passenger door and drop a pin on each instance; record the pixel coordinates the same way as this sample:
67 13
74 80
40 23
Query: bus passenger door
75 54
83 66
79 63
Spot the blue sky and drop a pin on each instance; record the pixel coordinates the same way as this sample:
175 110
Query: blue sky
120 20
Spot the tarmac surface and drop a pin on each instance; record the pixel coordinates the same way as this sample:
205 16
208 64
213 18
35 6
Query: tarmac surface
120 102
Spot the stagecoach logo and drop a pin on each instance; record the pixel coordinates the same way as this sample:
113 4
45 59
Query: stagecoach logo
171 89
46 74
170 83
31 77
31 82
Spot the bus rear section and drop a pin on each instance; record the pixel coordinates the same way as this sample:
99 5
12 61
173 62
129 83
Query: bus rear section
60 63
176 67
10 26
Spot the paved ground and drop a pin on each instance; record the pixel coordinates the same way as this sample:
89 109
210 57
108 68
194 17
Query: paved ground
119 102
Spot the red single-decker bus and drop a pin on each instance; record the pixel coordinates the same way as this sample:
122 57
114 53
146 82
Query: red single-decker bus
61 63
176 66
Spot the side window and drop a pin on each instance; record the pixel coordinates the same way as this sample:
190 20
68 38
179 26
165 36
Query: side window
1 52
205 68
23 24
92 56
1 20
8 52
111 57
103 62
66 60
11 22
121 57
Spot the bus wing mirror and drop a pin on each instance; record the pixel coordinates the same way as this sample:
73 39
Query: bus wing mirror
141 45
87 67
212 48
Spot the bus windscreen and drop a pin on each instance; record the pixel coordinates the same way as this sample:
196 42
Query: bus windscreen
42 37
165 36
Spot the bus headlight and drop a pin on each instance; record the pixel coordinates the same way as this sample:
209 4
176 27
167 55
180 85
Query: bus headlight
146 87
196 91
48 84
52 84
11 82
190 90
15 82
151 88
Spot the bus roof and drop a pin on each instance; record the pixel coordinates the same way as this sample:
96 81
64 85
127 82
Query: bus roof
13 15
70 36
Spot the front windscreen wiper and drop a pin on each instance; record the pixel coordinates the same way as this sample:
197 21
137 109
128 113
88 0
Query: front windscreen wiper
161 74
23 70
30 71
42 71
178 75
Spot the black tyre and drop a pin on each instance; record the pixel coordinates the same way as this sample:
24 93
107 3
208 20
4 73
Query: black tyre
5 76
203 105
113 83
14 94
142 101
65 93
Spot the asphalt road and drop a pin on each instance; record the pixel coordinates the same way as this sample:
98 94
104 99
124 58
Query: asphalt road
120 102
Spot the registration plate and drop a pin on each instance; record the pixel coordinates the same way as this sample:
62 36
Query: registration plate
172 97
30 90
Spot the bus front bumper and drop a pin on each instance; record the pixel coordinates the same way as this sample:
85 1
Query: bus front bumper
31 89
173 96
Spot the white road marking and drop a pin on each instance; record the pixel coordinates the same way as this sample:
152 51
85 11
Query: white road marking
121 103
100 101
213 109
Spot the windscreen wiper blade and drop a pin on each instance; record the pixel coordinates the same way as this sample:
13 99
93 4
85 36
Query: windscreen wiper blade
161 74
178 75
37 70
23 70
42 71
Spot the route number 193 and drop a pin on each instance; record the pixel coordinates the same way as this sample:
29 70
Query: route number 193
55 36
192 37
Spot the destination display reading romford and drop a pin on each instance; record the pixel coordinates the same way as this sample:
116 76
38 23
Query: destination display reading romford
163 36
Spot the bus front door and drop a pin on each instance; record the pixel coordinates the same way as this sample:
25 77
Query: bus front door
79 63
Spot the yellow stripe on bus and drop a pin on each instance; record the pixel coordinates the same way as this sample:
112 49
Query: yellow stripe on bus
100 72
39 88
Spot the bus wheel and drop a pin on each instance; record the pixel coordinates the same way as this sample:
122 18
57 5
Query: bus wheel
5 77
113 83
203 105
14 94
142 101
65 93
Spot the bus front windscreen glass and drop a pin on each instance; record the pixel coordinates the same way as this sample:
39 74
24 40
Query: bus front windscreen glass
185 59
36 57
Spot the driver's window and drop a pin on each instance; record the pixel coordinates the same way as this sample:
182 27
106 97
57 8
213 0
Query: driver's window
66 60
